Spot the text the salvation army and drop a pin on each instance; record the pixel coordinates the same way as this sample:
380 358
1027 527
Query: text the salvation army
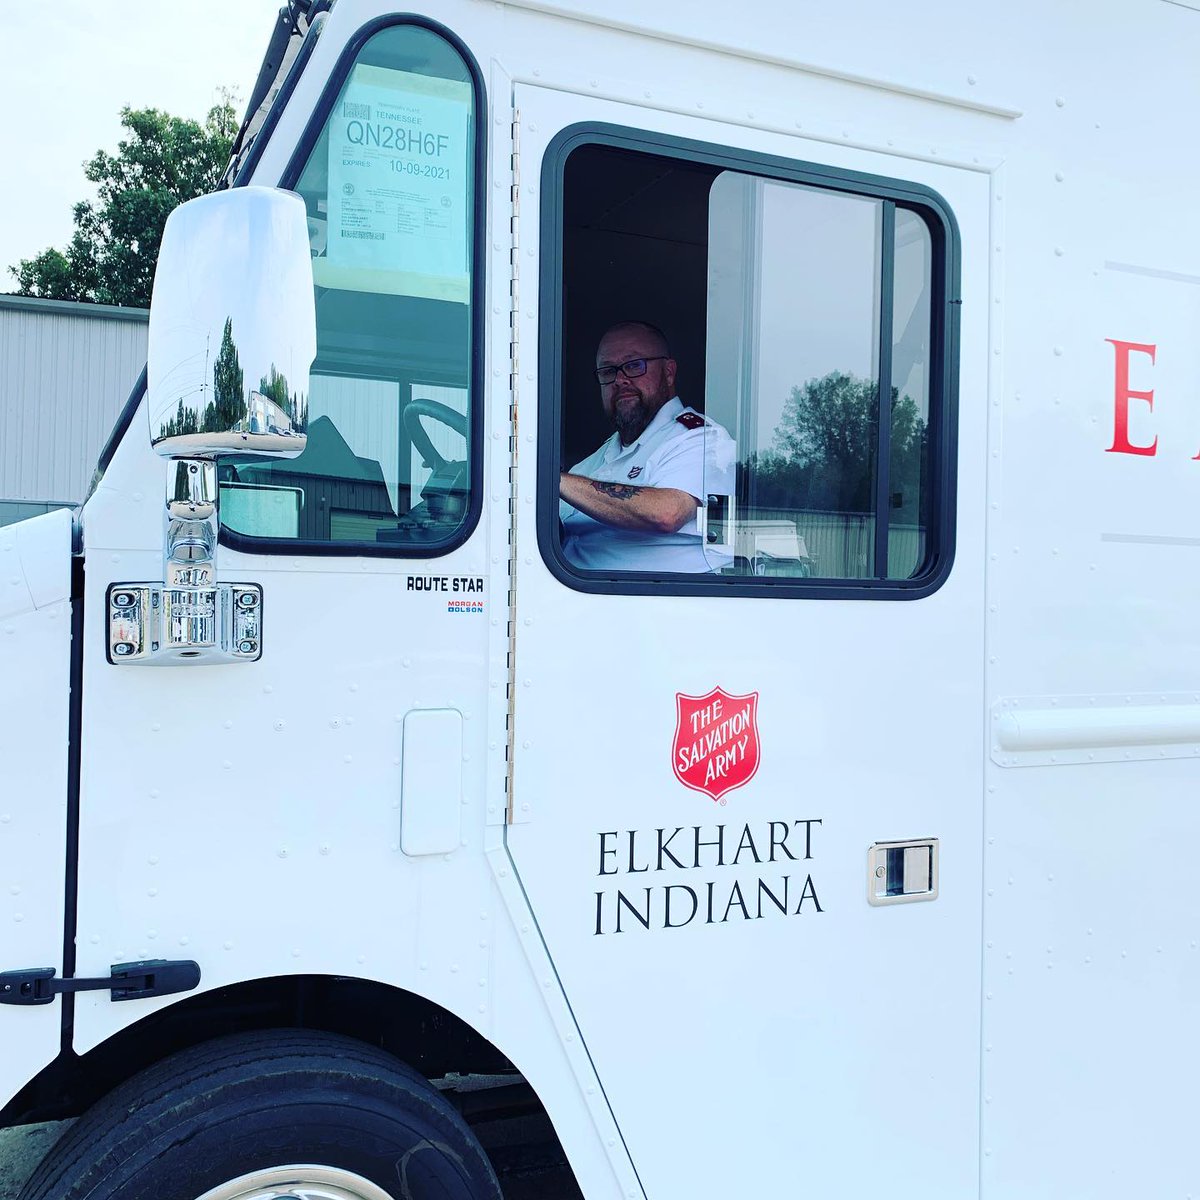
719 739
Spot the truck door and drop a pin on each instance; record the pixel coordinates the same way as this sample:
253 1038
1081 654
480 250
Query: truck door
708 769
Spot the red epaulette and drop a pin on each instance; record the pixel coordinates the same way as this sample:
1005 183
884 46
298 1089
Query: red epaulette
690 420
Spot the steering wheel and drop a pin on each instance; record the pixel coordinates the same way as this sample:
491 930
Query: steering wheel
414 410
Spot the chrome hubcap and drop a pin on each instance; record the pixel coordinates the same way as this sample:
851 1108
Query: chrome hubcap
298 1183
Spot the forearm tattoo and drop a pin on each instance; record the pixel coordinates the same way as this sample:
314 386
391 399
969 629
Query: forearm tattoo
618 491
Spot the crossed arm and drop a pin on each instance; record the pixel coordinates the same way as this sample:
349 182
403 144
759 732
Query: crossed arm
649 509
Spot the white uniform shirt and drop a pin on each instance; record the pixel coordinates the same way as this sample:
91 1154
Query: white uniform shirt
680 448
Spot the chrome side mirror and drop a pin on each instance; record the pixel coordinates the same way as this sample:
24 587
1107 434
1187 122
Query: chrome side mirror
232 340
232 327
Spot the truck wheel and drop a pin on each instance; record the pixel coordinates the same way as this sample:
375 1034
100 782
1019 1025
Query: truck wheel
261 1116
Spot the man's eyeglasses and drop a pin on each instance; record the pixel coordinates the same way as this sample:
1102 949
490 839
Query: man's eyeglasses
631 369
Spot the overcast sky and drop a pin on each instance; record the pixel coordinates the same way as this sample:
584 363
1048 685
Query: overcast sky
67 67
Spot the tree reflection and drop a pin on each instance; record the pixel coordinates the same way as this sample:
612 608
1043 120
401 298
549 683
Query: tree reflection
825 446
228 405
295 404
272 407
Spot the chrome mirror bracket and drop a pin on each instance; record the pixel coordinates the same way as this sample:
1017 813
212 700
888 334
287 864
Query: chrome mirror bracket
189 617
191 515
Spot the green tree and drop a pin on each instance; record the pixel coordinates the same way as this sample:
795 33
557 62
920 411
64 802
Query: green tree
183 422
228 405
823 456
162 162
275 387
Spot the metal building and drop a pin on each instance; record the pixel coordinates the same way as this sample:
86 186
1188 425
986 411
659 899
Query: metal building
65 371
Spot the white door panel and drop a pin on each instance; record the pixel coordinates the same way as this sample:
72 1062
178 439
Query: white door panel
838 1041
248 816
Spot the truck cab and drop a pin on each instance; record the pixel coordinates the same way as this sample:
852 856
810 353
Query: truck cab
348 814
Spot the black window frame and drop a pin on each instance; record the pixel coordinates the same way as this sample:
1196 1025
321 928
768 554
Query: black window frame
945 309
290 176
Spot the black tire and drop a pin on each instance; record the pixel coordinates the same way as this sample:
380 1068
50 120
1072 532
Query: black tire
255 1105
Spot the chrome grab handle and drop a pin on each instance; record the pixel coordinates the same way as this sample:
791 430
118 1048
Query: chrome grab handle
902 872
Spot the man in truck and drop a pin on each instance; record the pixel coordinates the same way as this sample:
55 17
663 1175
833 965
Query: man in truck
635 503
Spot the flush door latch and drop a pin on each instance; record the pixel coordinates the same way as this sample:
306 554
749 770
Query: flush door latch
902 872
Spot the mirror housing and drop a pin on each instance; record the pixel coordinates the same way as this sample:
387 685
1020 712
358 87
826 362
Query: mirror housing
232 327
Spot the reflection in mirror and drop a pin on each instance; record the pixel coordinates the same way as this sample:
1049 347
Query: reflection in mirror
232 327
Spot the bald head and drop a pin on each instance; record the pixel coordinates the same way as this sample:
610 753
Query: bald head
648 335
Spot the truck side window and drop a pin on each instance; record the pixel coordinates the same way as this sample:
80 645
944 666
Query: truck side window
389 184
811 316
794 361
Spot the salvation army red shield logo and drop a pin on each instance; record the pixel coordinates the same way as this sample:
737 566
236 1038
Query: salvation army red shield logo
716 741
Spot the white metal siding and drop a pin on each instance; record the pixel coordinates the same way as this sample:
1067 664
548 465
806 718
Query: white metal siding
367 415
65 371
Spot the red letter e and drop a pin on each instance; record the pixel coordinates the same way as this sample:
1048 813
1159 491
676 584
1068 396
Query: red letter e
1121 443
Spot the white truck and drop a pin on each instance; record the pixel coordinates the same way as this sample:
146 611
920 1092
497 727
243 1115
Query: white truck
342 809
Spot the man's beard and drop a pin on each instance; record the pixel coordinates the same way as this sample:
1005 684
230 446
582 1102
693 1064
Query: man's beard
631 419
